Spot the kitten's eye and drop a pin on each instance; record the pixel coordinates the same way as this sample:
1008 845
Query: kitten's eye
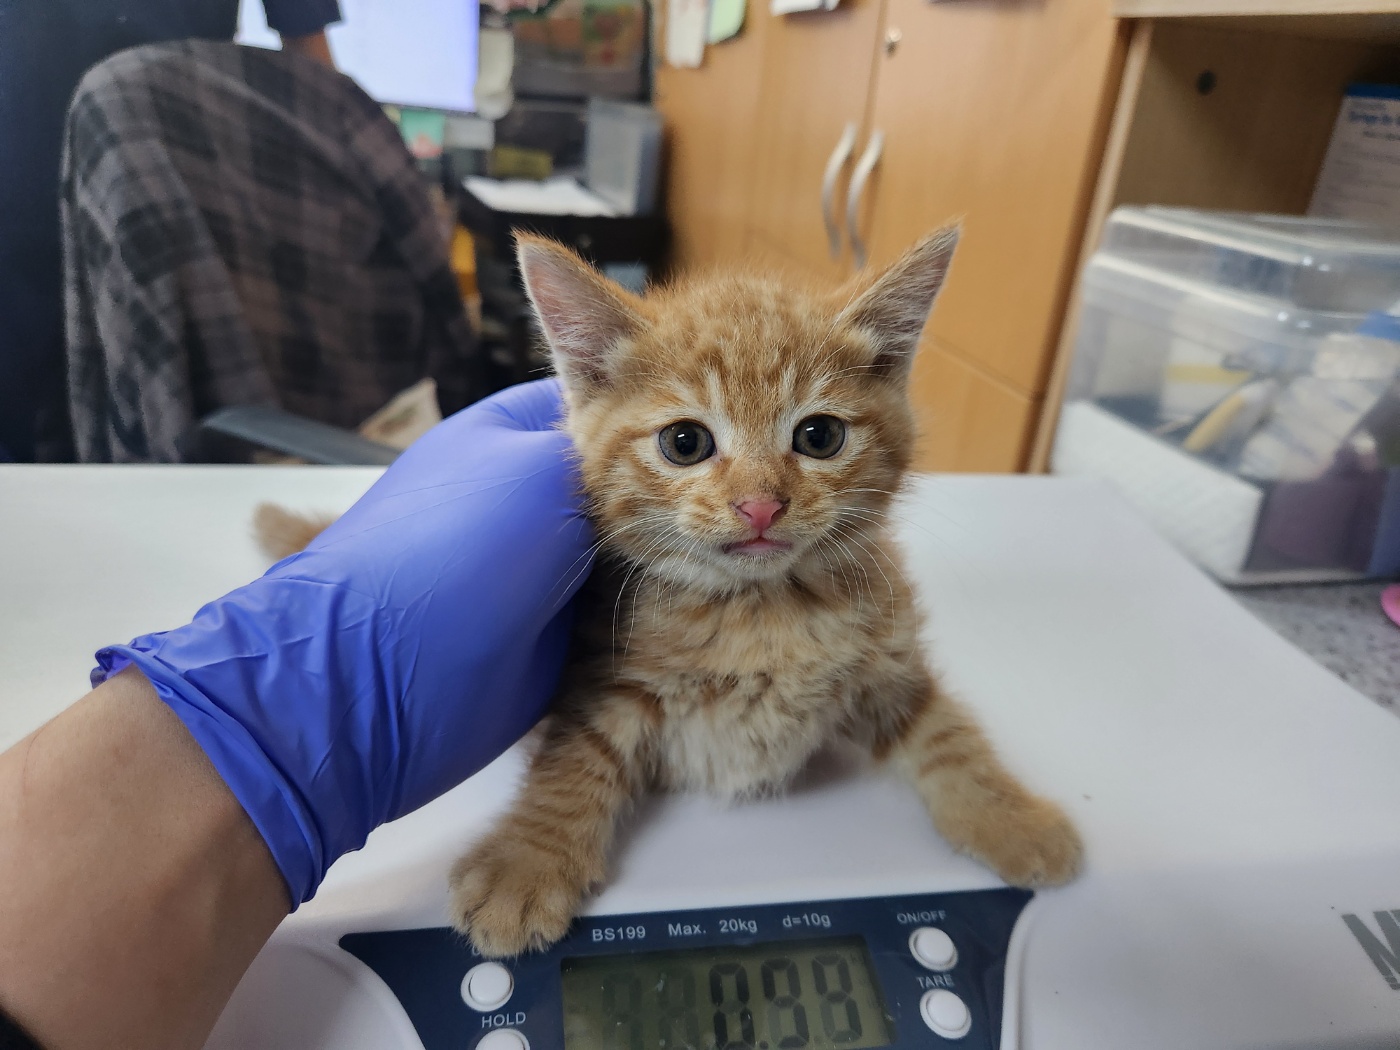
686 443
820 437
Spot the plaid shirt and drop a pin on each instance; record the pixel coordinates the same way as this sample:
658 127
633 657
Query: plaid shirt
244 226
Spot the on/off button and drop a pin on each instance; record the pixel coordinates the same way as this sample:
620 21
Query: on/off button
487 986
933 948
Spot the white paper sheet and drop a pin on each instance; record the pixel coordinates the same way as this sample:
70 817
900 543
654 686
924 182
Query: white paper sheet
788 7
687 23
1360 176
556 196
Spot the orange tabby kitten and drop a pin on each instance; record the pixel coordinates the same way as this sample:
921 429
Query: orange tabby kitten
740 444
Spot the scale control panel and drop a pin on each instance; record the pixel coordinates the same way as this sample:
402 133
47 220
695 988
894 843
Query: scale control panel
904 973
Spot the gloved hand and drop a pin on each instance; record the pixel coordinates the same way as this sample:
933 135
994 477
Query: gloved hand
408 646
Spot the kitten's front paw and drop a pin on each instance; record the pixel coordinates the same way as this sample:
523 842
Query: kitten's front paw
1028 841
509 897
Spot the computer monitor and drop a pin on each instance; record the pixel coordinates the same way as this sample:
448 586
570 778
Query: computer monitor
418 53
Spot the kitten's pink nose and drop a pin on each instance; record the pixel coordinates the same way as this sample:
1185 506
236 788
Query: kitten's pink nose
760 513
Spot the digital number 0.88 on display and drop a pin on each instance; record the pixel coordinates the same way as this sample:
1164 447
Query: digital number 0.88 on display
792 995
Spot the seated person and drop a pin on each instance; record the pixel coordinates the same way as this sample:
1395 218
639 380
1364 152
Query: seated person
45 47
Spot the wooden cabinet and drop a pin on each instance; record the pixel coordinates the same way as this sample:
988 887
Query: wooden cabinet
991 113
1029 120
995 113
813 97
710 115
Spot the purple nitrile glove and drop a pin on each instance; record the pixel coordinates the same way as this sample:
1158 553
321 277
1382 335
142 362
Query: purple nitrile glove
408 646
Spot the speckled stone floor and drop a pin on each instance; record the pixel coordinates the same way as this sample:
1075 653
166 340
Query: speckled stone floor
1341 626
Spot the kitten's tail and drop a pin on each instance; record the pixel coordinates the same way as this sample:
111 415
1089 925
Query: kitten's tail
282 533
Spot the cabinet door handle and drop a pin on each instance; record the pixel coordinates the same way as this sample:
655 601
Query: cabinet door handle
859 177
834 164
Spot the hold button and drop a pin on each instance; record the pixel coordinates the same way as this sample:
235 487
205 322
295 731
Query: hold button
503 1039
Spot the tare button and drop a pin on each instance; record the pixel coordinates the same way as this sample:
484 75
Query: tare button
933 948
487 986
945 1013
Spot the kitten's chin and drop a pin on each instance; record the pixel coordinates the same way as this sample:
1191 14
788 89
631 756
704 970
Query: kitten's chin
725 567
761 547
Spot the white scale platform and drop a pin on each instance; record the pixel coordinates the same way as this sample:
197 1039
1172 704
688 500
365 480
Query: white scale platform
1235 798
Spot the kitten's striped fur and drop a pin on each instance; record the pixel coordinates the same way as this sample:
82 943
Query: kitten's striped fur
698 669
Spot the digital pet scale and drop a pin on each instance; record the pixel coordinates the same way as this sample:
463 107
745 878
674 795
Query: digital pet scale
827 974
1240 807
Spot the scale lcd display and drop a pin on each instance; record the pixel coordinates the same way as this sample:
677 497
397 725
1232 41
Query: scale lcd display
786 995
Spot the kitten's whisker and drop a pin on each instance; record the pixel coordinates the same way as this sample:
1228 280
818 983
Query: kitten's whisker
841 564
882 519
638 564
657 587
852 535
853 370
875 556
833 568
580 565
632 568
904 520
632 627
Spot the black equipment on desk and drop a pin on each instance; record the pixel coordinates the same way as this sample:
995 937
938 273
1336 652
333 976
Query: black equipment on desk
624 247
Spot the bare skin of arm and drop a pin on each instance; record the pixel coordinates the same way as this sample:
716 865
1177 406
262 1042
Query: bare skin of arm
137 891
313 45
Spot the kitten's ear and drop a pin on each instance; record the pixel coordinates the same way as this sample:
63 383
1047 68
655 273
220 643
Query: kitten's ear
584 315
895 306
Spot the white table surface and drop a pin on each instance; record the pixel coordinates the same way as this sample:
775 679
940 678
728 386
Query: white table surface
1235 798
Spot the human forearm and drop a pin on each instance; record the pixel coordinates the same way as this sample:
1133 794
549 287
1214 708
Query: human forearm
150 836
313 45
137 890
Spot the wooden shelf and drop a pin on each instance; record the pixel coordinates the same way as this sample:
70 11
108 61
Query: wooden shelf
1231 112
1216 8
1371 20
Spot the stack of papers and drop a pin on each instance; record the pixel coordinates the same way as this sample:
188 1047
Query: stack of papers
556 196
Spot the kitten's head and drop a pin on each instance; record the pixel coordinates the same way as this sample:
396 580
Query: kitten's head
735 429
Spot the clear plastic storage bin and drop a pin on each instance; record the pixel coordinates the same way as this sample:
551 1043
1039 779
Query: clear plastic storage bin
1314 264
1235 376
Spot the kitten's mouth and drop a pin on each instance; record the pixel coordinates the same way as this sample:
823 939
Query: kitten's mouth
759 545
